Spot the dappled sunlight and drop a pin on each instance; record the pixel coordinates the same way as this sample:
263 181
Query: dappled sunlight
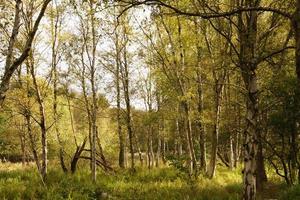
149 99
164 183
8 166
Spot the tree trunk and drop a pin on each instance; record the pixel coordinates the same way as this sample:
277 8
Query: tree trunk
121 145
117 81
94 103
251 140
42 122
22 137
158 152
32 142
261 175
247 23
54 34
236 149
161 127
202 144
179 130
151 147
76 156
148 151
86 103
201 128
120 134
229 122
164 150
231 153
128 108
189 138
215 136
27 116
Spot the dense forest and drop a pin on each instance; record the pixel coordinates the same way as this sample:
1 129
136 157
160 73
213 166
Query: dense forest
150 99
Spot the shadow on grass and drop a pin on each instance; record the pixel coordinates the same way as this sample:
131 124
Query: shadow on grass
155 184
159 192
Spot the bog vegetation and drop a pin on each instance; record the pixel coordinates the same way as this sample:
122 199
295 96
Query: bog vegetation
150 99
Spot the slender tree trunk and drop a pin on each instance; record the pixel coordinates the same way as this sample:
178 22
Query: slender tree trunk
42 122
120 133
215 136
151 147
32 142
201 127
189 138
128 107
148 150
231 152
87 107
236 149
185 104
202 139
118 88
126 151
129 129
229 122
160 131
158 152
124 72
139 151
86 102
27 116
54 30
179 130
164 150
93 140
94 103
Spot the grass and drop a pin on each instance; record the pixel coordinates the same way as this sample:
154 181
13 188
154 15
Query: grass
155 184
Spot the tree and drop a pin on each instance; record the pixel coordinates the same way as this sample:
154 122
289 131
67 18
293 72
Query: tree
12 64
124 70
55 18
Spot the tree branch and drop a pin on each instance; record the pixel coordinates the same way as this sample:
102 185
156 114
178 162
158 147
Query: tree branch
179 11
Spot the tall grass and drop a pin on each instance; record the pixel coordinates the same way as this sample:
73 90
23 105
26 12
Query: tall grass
155 184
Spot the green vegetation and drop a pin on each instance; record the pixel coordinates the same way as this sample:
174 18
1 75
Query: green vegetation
150 99
17 182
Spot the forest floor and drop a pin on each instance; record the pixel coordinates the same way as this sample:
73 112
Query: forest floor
17 182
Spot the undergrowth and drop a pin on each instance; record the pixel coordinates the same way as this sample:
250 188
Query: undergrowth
155 184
